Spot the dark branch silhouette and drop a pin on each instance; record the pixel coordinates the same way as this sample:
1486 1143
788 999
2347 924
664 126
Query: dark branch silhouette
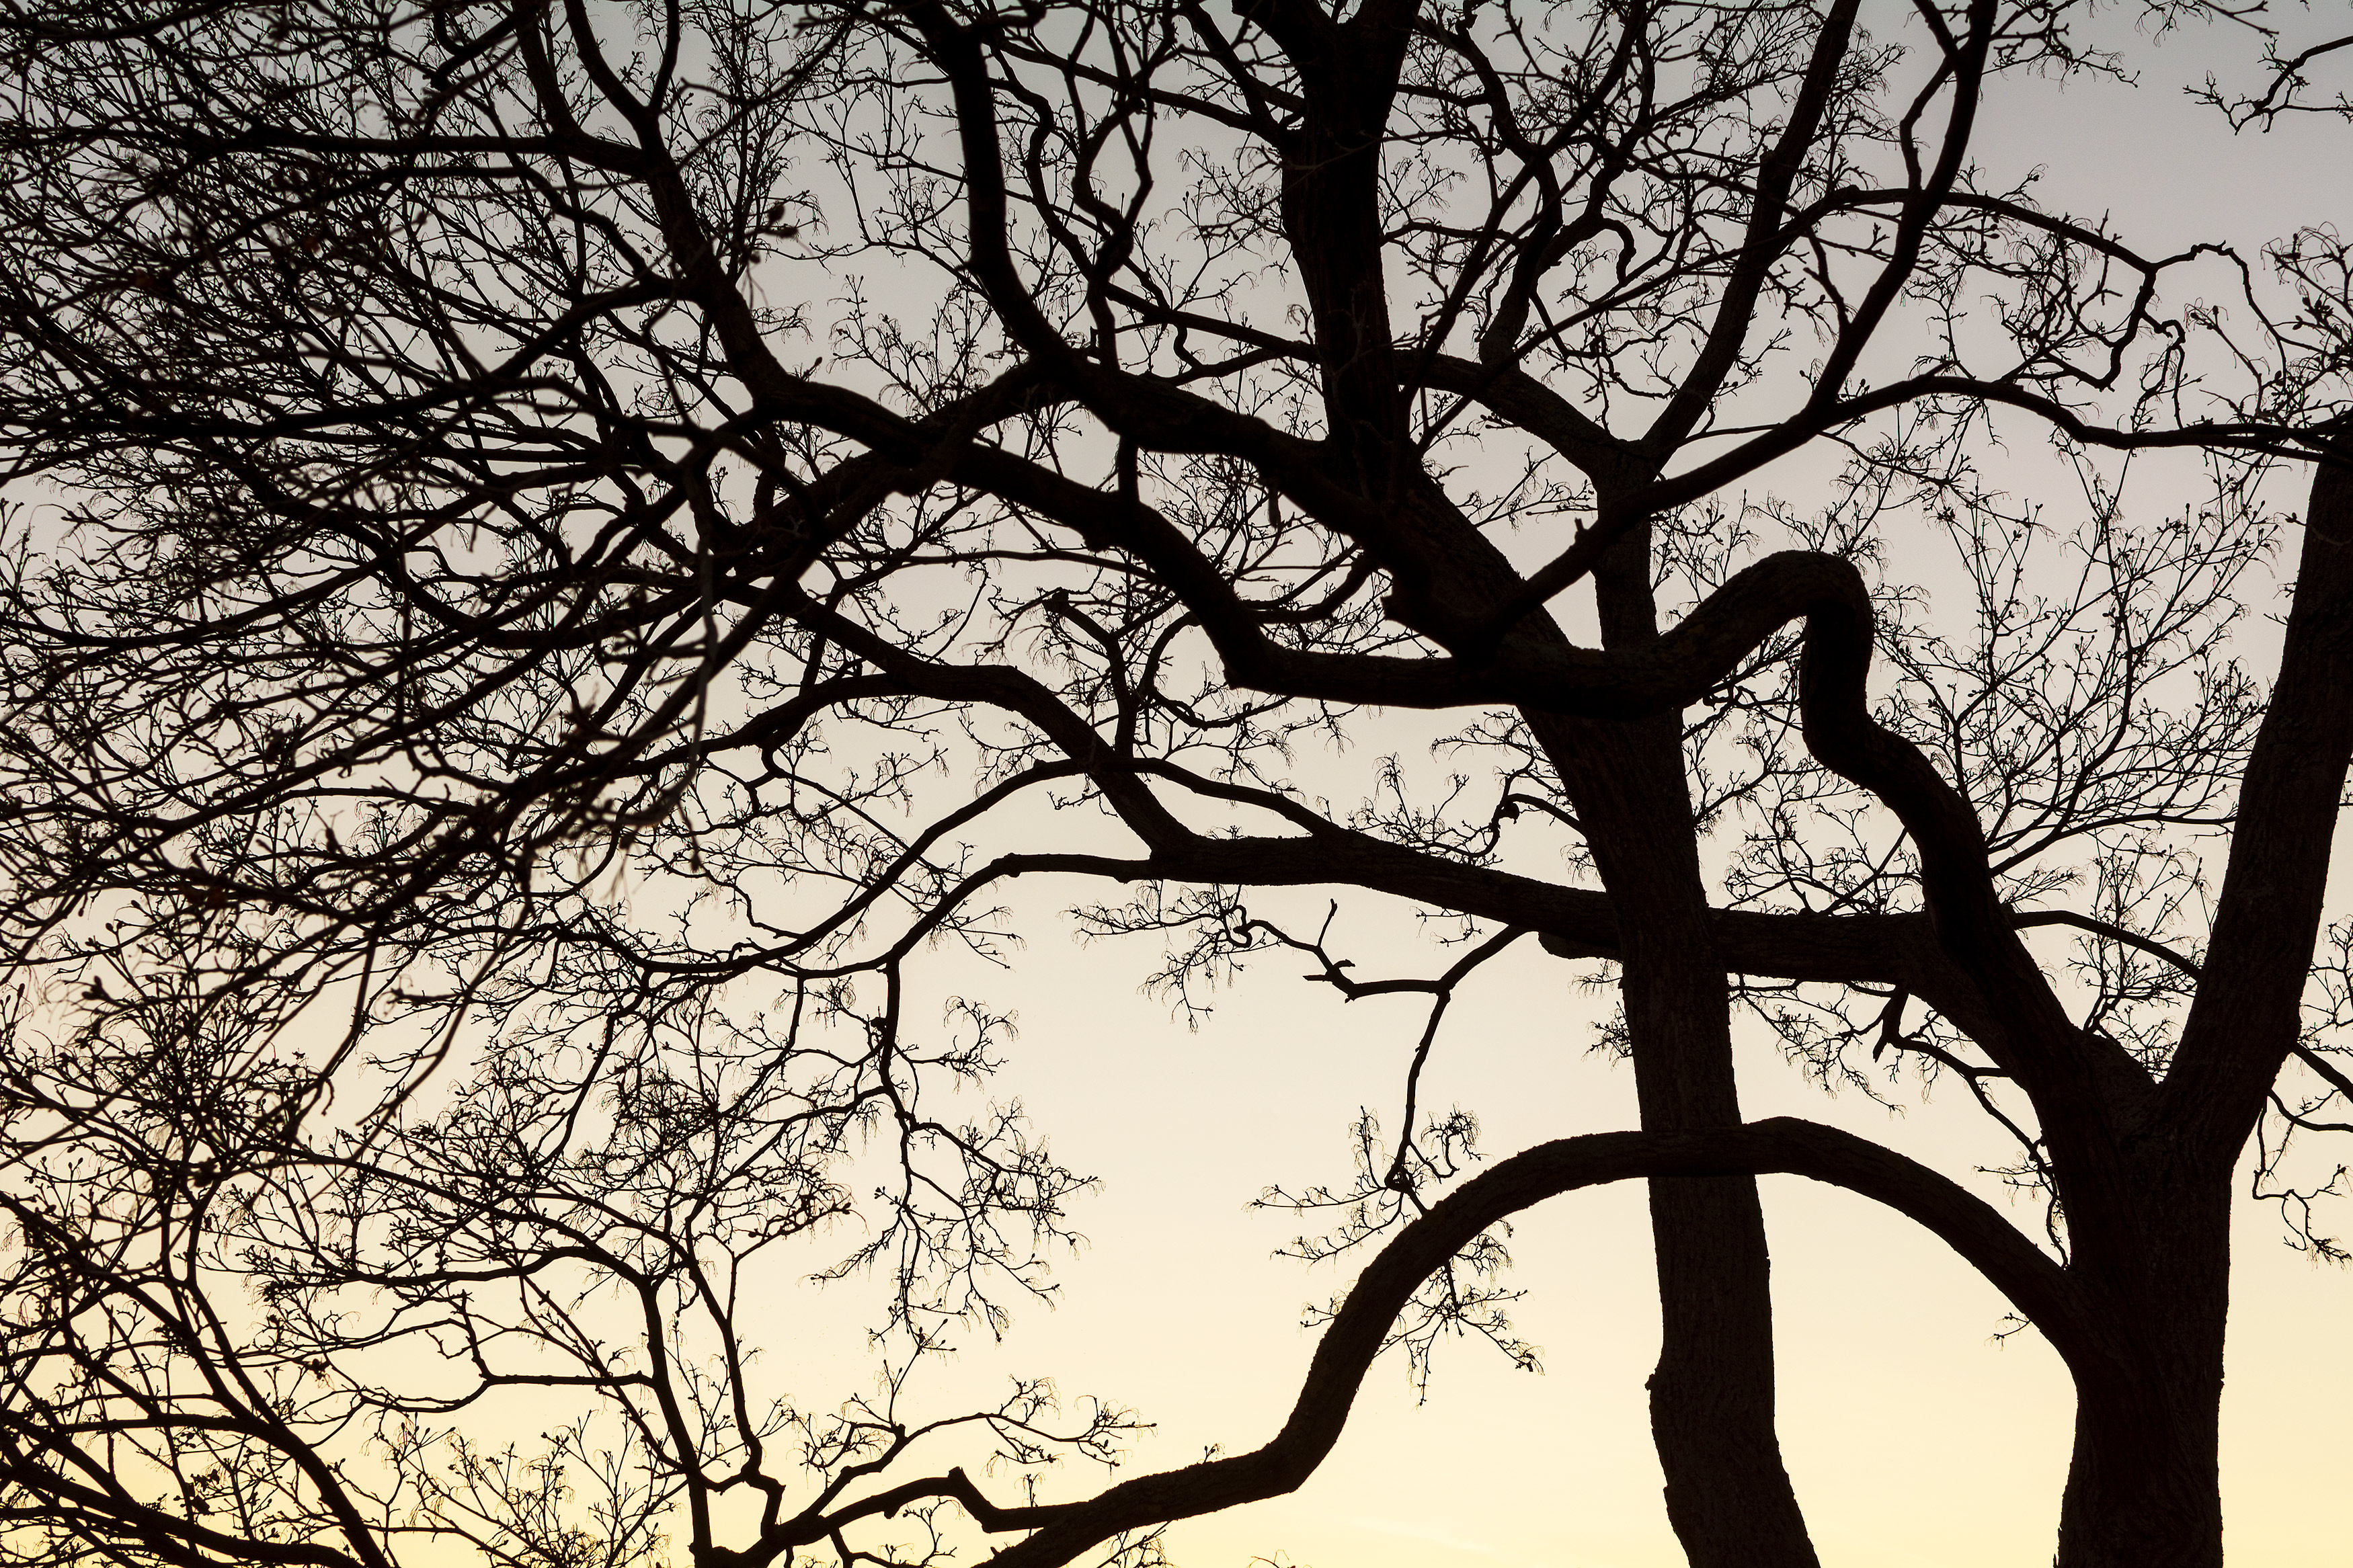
573 559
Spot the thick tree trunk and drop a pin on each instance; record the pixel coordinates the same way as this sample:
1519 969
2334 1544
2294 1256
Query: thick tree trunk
1711 1398
2153 1249
2144 1483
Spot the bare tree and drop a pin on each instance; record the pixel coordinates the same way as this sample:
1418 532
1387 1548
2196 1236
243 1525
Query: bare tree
760 459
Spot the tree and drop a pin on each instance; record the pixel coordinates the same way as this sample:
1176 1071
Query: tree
762 459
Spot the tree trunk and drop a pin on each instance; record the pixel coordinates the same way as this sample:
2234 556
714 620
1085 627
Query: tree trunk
2144 1483
1712 1399
2144 1487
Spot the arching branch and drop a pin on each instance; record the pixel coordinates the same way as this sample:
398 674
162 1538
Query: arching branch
2037 1286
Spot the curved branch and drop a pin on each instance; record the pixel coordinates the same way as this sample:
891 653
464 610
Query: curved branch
2109 932
1975 929
2038 1287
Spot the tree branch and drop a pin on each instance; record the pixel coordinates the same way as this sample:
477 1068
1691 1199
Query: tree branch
2038 1287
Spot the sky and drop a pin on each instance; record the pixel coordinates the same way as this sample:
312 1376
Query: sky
1915 1431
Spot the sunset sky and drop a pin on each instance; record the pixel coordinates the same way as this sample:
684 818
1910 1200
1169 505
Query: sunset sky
1912 1434
1922 1425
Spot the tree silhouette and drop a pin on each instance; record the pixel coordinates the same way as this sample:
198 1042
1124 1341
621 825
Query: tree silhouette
609 533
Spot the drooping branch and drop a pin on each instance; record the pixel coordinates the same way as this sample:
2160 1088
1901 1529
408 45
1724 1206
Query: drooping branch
2037 1286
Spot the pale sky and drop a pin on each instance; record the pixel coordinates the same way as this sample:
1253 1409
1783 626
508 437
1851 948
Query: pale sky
1912 1434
